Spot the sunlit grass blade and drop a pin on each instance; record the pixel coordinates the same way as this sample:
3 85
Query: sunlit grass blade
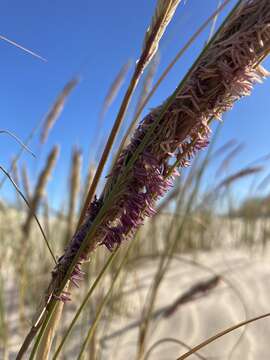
33 214
220 334
24 146
11 42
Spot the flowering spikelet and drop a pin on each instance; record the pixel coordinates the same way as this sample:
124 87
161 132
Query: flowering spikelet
226 71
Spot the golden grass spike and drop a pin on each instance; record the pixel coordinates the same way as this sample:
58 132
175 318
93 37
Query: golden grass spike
40 188
165 10
57 109
26 182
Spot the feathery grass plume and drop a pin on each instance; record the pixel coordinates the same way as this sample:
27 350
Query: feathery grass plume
26 182
224 73
40 188
74 189
57 109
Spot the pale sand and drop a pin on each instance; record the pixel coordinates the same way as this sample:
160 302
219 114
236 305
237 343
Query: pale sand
193 322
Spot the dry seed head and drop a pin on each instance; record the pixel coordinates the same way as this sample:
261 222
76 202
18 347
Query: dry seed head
164 12
57 109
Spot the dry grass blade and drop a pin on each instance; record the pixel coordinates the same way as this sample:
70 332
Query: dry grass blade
172 340
114 89
57 109
29 207
18 141
22 48
212 30
220 334
20 152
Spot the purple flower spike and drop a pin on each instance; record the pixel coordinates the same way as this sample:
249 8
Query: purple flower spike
227 71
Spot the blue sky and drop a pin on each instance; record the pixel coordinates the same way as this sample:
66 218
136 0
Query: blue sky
94 39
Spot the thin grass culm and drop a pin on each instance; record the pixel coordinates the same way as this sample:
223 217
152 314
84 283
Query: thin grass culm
227 69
